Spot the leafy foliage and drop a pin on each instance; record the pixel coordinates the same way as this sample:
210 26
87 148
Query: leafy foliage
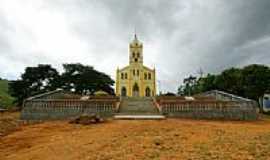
251 81
76 77
34 80
85 80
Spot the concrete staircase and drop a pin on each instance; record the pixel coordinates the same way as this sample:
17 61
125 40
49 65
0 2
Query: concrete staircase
138 108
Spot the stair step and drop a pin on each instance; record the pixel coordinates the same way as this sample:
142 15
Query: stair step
136 107
137 113
140 117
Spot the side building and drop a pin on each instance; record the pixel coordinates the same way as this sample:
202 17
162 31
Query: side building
136 80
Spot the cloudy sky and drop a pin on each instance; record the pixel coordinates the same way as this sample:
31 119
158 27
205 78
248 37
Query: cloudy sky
179 36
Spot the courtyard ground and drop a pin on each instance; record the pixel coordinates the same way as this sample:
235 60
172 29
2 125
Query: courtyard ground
165 139
9 122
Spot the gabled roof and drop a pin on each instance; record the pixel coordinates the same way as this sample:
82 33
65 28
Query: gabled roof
126 67
147 68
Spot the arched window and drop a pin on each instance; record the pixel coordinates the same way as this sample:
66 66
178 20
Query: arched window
149 75
126 76
133 54
134 72
122 75
147 92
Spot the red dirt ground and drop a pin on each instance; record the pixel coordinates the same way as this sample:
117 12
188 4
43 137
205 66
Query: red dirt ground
9 122
165 139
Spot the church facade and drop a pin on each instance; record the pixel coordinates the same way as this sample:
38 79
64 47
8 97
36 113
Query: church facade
136 80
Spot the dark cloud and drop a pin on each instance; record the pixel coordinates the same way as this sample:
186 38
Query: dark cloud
180 36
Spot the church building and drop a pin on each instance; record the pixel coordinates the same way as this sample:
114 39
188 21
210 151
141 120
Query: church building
135 80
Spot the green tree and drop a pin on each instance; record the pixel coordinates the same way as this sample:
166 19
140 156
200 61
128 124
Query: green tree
256 80
207 83
181 90
34 80
251 81
230 80
190 85
85 79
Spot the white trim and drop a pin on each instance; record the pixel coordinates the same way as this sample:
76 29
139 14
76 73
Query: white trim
44 94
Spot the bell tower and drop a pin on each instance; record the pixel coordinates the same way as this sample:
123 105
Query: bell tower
135 51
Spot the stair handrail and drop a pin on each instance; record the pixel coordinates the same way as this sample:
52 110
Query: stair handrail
118 106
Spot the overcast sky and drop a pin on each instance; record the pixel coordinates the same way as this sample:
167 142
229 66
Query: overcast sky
179 36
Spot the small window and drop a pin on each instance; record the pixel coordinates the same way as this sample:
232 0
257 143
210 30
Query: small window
145 76
149 75
138 55
126 76
122 75
134 72
136 59
133 54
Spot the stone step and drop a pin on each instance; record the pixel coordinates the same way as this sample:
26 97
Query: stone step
137 98
137 109
140 117
138 113
136 102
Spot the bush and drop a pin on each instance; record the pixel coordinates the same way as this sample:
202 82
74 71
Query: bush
86 119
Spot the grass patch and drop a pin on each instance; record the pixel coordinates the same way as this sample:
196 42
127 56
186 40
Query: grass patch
5 99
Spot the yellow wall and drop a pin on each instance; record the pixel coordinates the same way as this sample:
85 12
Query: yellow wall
129 79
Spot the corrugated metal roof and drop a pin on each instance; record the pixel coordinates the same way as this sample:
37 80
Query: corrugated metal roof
227 94
45 94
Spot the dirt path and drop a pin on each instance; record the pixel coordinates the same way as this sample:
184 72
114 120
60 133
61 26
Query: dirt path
167 139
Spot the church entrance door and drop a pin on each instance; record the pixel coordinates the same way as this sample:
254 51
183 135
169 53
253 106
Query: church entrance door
124 92
135 90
